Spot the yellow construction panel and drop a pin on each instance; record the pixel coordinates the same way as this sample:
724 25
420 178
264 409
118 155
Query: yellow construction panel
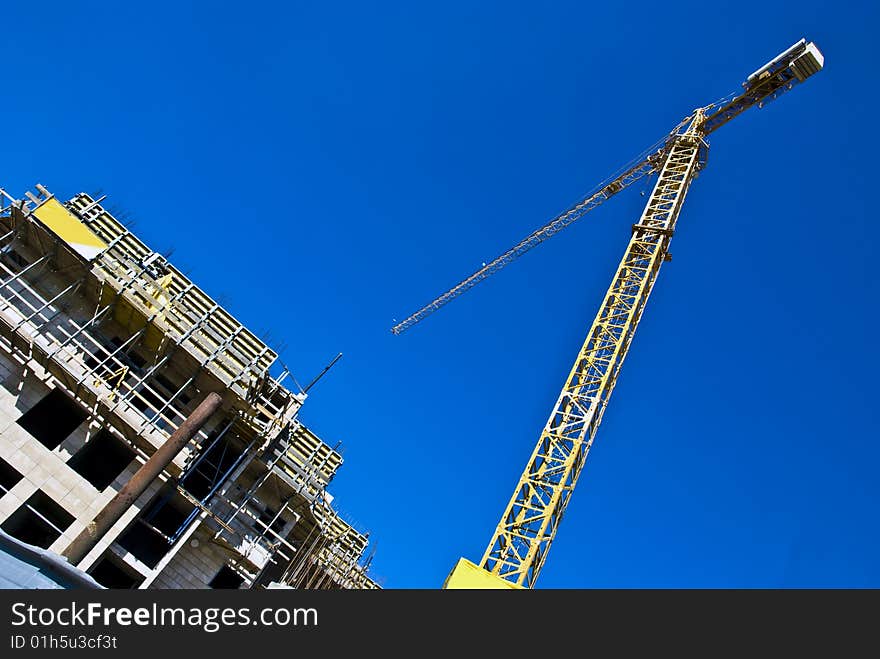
469 576
124 314
160 294
67 227
153 338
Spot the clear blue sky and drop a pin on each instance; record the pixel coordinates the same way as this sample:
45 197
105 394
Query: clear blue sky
322 168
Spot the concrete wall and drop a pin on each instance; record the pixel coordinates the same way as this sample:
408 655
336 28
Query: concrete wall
47 470
194 565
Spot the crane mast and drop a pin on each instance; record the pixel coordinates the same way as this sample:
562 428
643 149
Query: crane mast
518 547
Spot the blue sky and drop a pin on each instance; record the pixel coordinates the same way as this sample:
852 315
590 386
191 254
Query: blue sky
322 168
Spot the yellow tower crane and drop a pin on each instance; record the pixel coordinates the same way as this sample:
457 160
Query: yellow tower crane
519 546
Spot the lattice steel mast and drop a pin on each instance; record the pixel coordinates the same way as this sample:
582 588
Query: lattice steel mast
521 540
518 548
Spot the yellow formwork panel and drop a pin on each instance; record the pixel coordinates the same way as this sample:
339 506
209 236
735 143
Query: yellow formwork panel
153 338
67 227
134 319
160 294
469 576
123 313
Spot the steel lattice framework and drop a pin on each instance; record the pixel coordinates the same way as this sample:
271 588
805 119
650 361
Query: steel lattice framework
519 546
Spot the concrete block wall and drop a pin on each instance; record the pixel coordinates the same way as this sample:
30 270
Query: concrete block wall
47 470
195 565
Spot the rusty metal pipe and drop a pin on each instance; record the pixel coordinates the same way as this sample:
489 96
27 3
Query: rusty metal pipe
137 484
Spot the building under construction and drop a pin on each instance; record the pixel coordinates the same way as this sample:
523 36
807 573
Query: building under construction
145 434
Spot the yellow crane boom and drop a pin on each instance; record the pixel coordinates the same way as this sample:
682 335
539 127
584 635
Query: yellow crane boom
518 548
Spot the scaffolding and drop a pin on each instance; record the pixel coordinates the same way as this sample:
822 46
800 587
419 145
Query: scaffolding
92 311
